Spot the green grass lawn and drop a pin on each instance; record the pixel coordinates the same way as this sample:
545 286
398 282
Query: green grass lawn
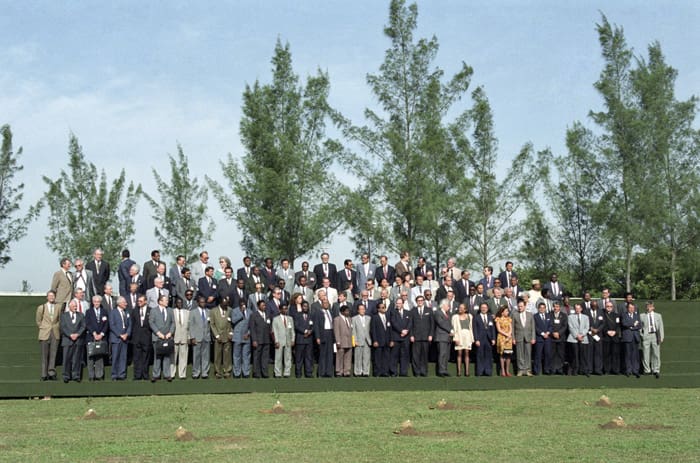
510 425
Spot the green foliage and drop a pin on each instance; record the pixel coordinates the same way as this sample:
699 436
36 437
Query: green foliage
182 223
85 213
283 194
13 225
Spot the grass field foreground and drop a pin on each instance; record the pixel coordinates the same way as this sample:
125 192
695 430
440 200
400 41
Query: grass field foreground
509 425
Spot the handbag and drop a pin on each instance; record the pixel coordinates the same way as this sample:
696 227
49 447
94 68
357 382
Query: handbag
165 347
97 348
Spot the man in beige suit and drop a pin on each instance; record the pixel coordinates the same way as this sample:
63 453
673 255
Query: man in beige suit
62 283
283 331
178 362
48 321
342 329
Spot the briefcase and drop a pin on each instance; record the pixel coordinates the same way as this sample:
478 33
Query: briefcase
165 347
97 349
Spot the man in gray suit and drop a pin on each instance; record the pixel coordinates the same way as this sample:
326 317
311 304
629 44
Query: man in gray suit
283 331
153 295
162 325
183 283
48 322
524 335
652 337
443 336
72 330
365 272
83 280
286 273
579 324
175 271
200 338
363 341
241 340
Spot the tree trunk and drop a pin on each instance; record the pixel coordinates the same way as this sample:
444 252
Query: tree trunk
673 274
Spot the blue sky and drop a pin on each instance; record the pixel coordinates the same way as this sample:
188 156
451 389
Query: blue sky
131 79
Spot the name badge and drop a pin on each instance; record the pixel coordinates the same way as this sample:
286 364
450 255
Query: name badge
388 323
490 323
600 318
617 319
311 322
268 321
228 318
557 321
104 319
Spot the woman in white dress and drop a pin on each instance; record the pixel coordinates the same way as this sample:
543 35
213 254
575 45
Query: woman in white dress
464 338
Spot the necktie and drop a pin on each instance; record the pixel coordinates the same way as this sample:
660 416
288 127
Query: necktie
179 316
483 318
204 317
162 311
121 314
420 312
97 266
284 319
72 317
652 329
143 314
97 314
542 316
305 317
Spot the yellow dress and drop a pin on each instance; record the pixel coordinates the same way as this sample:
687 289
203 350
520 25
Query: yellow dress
503 343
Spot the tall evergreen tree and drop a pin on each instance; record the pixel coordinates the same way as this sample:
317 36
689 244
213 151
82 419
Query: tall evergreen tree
283 194
85 213
182 223
13 223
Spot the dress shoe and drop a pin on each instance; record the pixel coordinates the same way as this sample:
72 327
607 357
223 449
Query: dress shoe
65 380
528 374
636 375
520 373
52 378
169 379
153 380
44 378
657 375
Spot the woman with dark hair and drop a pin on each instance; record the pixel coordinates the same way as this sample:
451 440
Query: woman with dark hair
504 338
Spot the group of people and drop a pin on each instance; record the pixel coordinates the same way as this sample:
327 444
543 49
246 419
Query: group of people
373 319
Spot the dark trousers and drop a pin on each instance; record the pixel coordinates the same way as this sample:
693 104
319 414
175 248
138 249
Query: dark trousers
72 358
611 358
578 363
381 360
261 359
119 360
326 365
631 358
399 355
542 357
484 359
558 356
420 351
49 349
304 357
443 357
595 352
141 360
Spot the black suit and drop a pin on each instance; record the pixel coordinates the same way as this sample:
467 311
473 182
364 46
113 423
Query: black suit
226 289
423 270
99 278
381 339
560 324
148 272
259 327
207 290
343 281
595 351
543 347
325 338
390 274
332 275
303 345
422 327
399 351
462 290
631 325
611 344
242 274
485 334
141 342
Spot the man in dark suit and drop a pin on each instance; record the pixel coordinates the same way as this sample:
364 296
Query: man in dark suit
401 325
347 278
100 271
488 279
443 336
385 271
119 332
631 325
97 327
269 275
326 270
595 338
611 339
72 330
555 288
462 287
403 266
543 341
109 301
246 271
325 339
303 342
310 281
227 287
132 296
422 327
484 340
560 326
208 287
380 332
239 294
150 268
506 276
259 325
422 267
141 338
123 272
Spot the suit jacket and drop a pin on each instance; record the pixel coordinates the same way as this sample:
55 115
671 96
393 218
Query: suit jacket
560 294
560 325
596 323
287 276
462 290
239 320
578 328
484 333
68 328
269 276
109 303
250 283
62 284
400 323
253 300
182 326
47 323
631 327
658 326
361 332
207 290
494 304
243 273
100 278
611 322
149 270
220 325
342 330
523 333
380 332
237 297
332 275
422 270
152 296
505 281
259 326
129 304
86 279
443 326
140 329
543 326
364 276
331 293
310 279
158 324
95 325
117 328
302 327
181 285
272 308
124 277
226 289
198 269
319 324
284 335
343 280
199 329
390 274
422 326
175 273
